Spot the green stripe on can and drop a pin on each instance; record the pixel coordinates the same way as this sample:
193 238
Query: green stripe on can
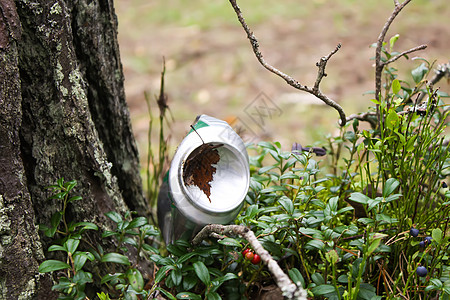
198 125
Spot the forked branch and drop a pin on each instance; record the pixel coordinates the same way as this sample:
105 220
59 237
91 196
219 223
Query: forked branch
379 64
291 81
289 289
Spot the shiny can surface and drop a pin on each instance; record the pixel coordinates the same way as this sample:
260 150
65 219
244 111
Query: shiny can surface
184 209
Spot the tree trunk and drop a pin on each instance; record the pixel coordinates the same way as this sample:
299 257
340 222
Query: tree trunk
62 114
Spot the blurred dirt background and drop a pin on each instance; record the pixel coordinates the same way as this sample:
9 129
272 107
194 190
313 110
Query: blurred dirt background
211 69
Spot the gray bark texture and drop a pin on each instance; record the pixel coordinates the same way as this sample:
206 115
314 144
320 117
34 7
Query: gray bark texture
62 114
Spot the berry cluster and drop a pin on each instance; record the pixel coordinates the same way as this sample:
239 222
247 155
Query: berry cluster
421 270
253 257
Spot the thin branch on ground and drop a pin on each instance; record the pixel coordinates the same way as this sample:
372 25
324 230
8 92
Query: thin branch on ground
289 289
291 81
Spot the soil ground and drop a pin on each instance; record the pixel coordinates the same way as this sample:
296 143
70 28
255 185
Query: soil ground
211 68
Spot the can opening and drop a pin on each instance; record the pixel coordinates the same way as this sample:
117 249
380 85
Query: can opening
228 185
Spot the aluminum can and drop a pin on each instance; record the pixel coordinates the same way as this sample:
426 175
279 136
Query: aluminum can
184 209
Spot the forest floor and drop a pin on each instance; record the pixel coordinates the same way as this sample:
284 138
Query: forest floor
211 69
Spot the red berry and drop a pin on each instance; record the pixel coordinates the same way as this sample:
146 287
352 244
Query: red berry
245 251
256 259
249 255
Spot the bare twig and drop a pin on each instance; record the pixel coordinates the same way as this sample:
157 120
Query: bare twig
291 81
289 289
379 64
369 117
392 59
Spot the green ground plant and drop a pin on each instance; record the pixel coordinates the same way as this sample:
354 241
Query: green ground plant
341 229
370 222
76 268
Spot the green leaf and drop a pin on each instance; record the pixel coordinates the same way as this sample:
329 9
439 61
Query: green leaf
110 277
345 209
411 143
54 223
333 204
80 258
177 276
135 279
175 250
149 248
103 296
226 277
366 221
84 226
166 293
202 272
317 278
74 198
114 216
323 289
188 295
287 204
71 245
296 277
64 283
58 196
70 184
213 296
316 244
367 292
274 188
265 169
162 273
230 242
419 72
130 241
267 145
186 257
57 248
252 211
359 198
137 222
189 282
373 246
52 265
436 234
115 258
396 87
60 182
392 119
390 186
289 176
108 233
392 41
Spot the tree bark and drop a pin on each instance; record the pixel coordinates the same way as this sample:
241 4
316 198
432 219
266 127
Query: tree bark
63 114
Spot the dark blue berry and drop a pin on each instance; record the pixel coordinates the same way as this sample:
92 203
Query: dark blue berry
414 232
428 240
422 244
421 271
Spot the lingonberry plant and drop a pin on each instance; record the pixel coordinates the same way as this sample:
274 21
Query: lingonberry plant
79 256
371 221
